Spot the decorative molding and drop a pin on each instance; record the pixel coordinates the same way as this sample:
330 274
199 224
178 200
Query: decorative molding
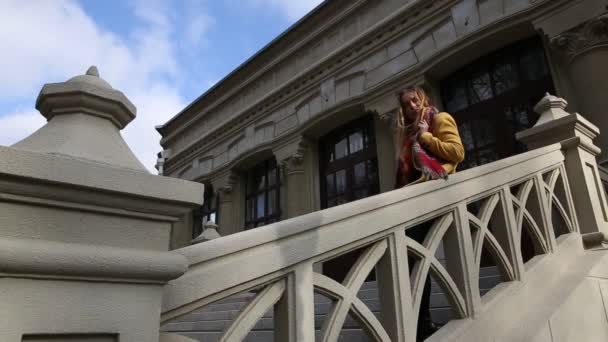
381 33
224 184
386 32
386 108
586 36
291 155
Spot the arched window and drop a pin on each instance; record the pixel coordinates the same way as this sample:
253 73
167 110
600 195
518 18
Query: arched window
493 98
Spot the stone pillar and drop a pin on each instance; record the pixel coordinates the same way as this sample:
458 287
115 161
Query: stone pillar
298 191
84 227
224 185
576 135
584 52
385 109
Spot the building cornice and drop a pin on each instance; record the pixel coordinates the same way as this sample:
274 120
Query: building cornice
306 80
386 31
193 112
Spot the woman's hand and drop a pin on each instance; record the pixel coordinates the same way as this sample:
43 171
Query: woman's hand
423 127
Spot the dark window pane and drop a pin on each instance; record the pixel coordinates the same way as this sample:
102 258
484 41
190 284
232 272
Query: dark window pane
481 88
341 149
260 206
372 171
261 182
505 77
466 136
331 202
487 155
360 174
485 132
249 209
356 142
341 200
272 202
361 193
341 182
272 176
330 185
456 97
331 154
533 64
213 202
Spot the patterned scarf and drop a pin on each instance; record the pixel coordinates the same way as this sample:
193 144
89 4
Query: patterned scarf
414 160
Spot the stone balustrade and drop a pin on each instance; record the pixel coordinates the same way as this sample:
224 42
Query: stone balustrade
486 208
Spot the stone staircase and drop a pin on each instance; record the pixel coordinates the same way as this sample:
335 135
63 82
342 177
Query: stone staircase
207 325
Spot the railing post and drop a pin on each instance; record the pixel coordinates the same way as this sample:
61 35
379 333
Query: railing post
511 233
460 260
398 316
576 135
295 313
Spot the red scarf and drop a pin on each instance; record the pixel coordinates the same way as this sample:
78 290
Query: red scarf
415 161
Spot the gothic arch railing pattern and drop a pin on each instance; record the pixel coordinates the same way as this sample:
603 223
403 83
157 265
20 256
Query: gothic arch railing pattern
514 194
484 234
345 296
528 209
558 197
426 252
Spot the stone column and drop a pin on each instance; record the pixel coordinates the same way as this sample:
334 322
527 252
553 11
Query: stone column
576 135
225 186
385 109
584 52
298 191
84 227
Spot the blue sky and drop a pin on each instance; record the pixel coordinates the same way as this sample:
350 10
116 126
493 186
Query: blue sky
162 54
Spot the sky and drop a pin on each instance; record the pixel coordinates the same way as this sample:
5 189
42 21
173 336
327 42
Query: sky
162 54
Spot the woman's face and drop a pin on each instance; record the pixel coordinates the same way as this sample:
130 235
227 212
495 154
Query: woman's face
411 105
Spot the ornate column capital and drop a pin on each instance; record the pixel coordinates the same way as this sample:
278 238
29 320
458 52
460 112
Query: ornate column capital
386 108
223 184
290 156
578 40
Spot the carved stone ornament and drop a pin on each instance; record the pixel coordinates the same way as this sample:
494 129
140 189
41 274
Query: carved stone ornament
580 39
291 156
293 162
224 184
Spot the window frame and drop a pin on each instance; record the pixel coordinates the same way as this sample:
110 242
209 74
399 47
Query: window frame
368 153
494 109
267 166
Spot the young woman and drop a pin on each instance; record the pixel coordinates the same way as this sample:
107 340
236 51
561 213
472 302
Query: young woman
429 147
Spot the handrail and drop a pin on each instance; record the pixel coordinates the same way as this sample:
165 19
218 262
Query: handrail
521 188
237 242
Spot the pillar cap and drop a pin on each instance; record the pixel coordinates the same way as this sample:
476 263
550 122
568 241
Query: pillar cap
89 94
550 108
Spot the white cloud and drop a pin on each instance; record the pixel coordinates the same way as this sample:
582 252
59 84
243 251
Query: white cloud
51 41
293 9
14 125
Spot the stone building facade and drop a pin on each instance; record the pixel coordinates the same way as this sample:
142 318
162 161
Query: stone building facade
307 123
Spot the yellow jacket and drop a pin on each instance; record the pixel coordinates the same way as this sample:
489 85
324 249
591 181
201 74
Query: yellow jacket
442 141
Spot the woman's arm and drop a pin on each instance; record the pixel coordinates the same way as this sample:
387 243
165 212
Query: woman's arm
444 142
